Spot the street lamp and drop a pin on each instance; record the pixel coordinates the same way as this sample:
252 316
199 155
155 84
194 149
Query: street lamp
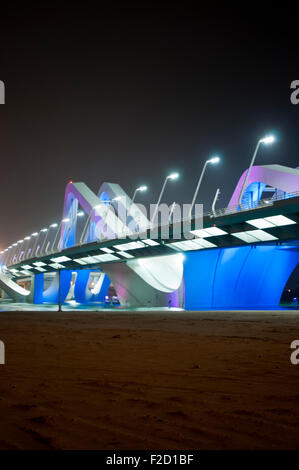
46 237
172 176
63 221
78 214
140 189
267 140
24 252
33 235
214 160
36 248
10 261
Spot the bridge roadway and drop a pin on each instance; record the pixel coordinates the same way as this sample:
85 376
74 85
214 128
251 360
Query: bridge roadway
269 224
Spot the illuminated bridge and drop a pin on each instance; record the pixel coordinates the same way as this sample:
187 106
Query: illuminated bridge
241 257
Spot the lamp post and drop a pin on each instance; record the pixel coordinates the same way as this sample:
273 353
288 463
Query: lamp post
213 161
12 255
171 211
33 235
24 252
63 221
215 200
46 237
78 214
140 189
172 176
15 252
266 141
35 249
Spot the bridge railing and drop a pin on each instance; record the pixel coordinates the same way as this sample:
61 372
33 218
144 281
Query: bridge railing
262 203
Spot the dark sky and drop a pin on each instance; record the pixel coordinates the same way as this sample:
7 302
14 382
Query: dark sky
124 93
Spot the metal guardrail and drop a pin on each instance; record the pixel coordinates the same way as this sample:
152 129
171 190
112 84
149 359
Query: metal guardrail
262 203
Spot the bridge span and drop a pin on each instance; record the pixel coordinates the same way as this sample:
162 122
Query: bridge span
238 258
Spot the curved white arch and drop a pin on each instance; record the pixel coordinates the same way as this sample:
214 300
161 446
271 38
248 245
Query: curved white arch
13 290
164 273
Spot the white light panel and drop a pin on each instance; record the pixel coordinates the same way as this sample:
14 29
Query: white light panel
253 236
150 242
125 254
279 220
107 250
56 266
130 246
60 259
209 232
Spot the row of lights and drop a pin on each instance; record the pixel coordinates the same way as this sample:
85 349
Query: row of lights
173 176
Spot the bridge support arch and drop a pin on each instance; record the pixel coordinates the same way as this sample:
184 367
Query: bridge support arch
246 277
51 295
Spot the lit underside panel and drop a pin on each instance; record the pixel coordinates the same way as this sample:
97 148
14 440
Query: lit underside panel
270 222
195 244
209 232
254 236
130 246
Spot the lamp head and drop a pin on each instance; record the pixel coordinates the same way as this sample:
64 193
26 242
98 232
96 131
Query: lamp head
173 176
142 188
214 160
269 139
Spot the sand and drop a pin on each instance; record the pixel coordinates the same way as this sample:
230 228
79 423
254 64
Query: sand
149 381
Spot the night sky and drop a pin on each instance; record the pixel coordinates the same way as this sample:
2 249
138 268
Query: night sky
124 93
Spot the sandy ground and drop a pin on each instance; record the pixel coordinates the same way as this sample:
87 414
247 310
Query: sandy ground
149 381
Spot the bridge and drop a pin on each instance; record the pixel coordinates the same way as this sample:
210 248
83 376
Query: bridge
238 257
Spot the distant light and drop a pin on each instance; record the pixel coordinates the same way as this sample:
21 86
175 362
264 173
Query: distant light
269 139
35 234
27 238
117 198
44 230
66 220
142 188
53 225
71 181
80 214
20 241
173 176
214 160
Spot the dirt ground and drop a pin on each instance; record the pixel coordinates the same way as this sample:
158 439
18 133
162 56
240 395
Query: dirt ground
159 380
